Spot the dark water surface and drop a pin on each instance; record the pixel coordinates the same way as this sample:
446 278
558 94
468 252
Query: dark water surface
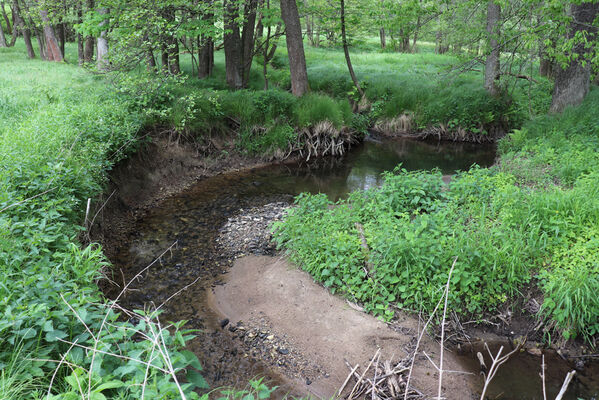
193 219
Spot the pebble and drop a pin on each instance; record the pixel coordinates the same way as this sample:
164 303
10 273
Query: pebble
283 351
224 323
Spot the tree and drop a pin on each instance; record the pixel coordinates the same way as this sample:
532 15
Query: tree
295 47
102 41
492 66
18 21
53 51
346 51
572 82
2 37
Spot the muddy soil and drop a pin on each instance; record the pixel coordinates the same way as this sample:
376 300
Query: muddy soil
324 329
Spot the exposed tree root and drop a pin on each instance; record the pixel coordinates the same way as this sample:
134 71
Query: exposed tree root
403 125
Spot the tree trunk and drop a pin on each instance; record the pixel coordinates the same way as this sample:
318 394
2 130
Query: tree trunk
88 50
383 37
102 44
492 62
205 57
295 47
416 31
2 37
173 57
164 59
40 42
265 53
309 30
18 21
62 36
247 40
80 48
346 51
15 30
572 84
53 52
233 46
8 26
151 61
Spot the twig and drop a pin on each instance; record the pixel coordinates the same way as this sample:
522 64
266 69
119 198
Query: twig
543 376
363 373
562 391
351 373
443 330
430 318
497 362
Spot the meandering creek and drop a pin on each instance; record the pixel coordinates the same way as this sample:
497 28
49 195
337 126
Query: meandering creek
192 220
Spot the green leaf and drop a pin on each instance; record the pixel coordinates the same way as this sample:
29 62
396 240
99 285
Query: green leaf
197 379
54 335
192 359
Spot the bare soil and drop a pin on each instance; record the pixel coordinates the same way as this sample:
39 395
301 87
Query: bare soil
326 329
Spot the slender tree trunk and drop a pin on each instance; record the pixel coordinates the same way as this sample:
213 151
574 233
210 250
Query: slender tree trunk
205 57
273 47
416 32
164 59
62 36
295 47
173 57
18 21
383 37
247 40
265 56
2 37
40 42
102 44
572 83
80 48
233 46
53 52
172 44
346 51
8 26
309 30
492 62
88 50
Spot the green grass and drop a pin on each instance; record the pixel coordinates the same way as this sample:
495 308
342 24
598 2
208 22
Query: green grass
422 84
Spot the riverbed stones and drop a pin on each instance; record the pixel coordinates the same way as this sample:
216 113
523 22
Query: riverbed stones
249 231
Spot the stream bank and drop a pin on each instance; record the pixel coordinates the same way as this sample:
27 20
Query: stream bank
194 219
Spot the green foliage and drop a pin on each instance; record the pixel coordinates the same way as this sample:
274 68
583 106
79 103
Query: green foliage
256 390
570 285
61 131
535 214
414 227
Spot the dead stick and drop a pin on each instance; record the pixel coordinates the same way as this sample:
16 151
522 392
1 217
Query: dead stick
562 391
363 373
347 380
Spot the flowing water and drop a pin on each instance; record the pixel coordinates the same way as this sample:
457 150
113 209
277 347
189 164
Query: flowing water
193 218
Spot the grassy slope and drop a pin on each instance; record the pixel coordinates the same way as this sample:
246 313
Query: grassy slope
532 218
61 130
419 84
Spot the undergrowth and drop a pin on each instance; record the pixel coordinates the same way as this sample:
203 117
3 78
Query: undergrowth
61 131
531 219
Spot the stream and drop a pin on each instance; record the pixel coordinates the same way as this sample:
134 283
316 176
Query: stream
192 220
